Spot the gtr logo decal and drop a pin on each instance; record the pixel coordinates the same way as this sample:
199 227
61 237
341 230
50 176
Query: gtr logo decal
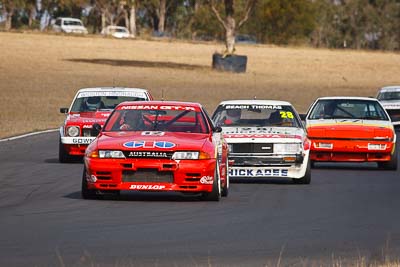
149 144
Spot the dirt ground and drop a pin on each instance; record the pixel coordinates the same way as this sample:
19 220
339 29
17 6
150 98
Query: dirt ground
40 73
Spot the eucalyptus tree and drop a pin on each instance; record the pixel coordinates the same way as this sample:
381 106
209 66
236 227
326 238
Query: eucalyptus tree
9 8
228 20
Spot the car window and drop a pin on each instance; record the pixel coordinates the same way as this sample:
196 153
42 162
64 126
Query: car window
347 109
187 121
256 116
92 101
389 95
72 23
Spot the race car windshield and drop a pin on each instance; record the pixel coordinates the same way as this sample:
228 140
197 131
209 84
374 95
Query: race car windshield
347 109
389 95
72 23
256 116
187 121
96 103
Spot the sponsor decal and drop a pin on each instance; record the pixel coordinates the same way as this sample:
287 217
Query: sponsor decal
147 154
156 133
259 132
87 126
207 180
262 136
82 141
147 187
93 120
149 144
109 93
258 172
155 107
253 107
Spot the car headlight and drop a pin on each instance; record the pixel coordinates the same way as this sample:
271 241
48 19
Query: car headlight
186 155
191 155
230 147
111 154
287 148
376 146
73 131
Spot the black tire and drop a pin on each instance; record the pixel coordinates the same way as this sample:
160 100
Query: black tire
225 188
312 164
306 179
215 194
230 63
63 156
85 192
391 164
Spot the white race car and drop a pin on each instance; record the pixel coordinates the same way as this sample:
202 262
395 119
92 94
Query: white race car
266 139
389 97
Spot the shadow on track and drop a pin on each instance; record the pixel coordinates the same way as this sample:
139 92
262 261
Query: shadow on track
142 196
262 180
139 63
368 166
56 161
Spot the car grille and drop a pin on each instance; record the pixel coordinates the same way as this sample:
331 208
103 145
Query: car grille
87 132
148 154
252 148
148 176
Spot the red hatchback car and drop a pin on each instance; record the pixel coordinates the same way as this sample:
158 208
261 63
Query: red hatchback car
157 146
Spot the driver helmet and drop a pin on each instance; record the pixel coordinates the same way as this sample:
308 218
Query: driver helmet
235 113
93 103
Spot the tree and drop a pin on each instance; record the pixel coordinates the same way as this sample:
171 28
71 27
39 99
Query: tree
9 8
282 21
229 22
132 17
156 10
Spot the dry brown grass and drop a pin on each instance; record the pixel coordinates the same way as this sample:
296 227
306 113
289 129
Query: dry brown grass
41 73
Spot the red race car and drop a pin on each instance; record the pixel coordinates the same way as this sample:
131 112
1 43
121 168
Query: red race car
91 105
351 129
157 146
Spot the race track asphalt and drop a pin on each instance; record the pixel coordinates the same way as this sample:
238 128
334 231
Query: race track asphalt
347 213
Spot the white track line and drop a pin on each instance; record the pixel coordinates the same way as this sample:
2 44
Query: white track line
26 135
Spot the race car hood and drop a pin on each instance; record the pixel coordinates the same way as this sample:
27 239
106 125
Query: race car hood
154 141
88 118
263 134
390 104
350 129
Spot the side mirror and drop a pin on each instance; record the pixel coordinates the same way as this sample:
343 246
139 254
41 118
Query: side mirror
217 129
64 110
96 128
303 117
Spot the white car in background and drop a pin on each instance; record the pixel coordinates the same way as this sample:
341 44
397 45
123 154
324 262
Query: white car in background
116 31
266 138
69 25
389 97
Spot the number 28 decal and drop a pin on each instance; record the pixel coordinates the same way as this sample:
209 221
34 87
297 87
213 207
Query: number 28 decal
286 115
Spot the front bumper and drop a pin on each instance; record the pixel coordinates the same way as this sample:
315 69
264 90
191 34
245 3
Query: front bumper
278 166
353 151
76 146
150 174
